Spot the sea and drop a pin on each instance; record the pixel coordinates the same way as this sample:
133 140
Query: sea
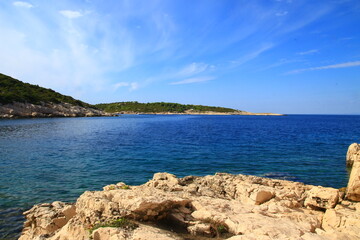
57 159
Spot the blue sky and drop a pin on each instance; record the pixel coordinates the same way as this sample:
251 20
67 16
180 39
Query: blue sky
285 56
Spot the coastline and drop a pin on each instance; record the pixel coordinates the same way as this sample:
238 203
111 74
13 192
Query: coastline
223 205
244 113
47 110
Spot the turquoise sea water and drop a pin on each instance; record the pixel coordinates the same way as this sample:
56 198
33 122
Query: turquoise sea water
43 160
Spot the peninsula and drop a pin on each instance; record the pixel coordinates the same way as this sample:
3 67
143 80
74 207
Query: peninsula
171 108
21 100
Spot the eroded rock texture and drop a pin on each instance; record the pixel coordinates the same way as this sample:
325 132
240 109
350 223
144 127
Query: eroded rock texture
16 109
353 160
222 206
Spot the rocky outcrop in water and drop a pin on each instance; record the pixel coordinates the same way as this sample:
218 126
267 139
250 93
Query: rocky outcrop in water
221 206
25 110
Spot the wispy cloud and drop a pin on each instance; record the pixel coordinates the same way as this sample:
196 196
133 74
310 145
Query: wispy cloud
281 62
71 14
334 66
252 55
22 4
312 51
194 68
193 80
131 85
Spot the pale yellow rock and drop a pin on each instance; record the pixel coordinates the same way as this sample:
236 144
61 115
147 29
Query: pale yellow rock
143 232
320 197
353 154
343 220
46 219
353 188
260 196
249 207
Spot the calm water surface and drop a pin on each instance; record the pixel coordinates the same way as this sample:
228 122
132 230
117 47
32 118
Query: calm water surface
43 160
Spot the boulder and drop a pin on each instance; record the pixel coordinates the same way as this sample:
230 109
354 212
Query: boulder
353 160
353 154
342 221
353 188
46 218
321 197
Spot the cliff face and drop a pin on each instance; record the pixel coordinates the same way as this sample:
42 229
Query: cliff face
222 206
21 110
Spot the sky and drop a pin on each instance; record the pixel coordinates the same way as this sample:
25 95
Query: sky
282 56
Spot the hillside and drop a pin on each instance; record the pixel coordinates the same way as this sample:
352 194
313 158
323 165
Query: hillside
13 90
158 107
19 99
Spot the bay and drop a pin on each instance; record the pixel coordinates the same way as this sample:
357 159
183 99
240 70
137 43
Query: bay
43 160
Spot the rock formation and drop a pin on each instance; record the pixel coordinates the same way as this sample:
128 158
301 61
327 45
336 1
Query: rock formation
17 109
353 160
222 206
353 154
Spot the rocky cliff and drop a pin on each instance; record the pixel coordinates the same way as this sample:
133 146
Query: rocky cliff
21 110
222 206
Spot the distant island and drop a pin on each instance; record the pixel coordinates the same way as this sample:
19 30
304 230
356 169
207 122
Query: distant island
19 99
170 108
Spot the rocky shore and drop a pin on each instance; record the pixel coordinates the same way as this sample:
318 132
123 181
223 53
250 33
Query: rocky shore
26 110
221 206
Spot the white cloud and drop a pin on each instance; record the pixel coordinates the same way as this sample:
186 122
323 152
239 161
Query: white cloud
193 80
132 86
308 52
71 14
22 4
194 68
252 55
334 66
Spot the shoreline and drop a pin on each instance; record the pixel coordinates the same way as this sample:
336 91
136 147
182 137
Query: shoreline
240 113
221 206
242 206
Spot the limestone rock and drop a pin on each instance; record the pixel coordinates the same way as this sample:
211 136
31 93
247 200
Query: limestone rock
18 109
342 221
45 219
260 196
353 188
353 154
247 207
320 197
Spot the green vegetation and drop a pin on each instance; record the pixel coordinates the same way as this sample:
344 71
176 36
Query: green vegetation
117 223
12 90
219 229
158 107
